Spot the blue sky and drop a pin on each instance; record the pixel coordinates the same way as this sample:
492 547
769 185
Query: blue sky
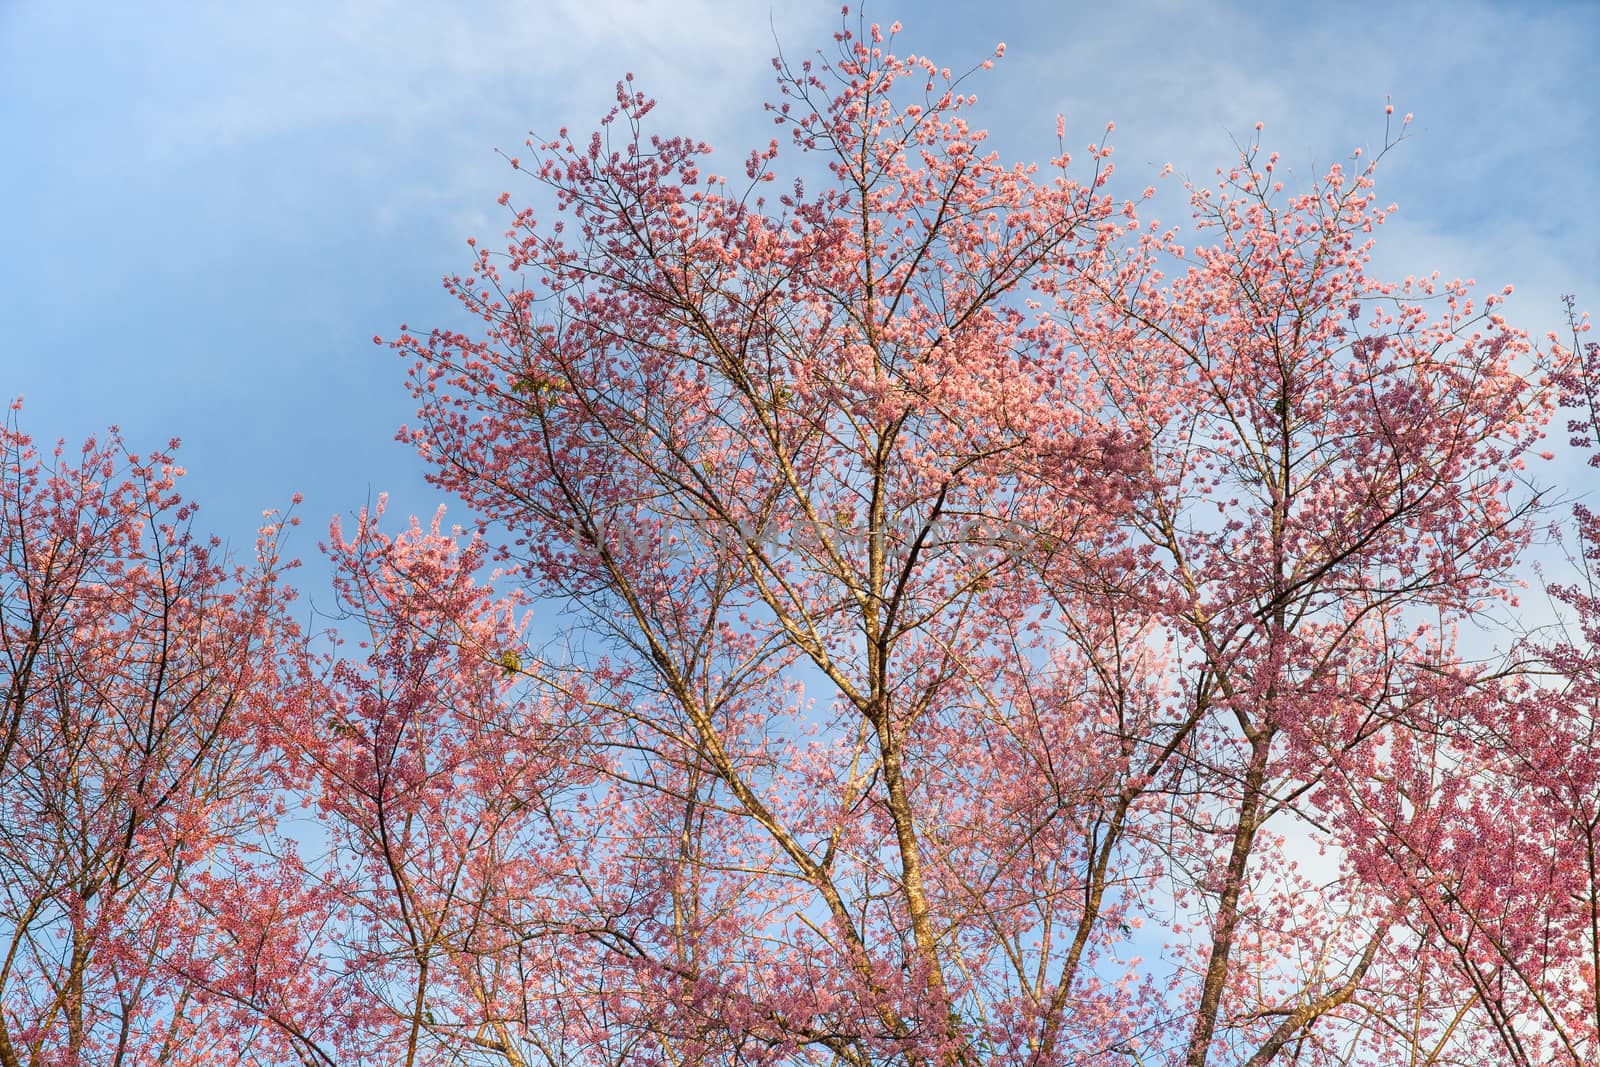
209 209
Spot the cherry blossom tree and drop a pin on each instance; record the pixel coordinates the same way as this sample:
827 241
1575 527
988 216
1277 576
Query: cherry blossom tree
134 658
981 597
1359 454
1498 840
412 932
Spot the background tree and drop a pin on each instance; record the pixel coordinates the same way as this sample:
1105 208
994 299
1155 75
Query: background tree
135 656
1495 825
410 922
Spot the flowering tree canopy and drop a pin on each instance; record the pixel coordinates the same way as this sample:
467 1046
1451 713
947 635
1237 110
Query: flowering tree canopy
997 629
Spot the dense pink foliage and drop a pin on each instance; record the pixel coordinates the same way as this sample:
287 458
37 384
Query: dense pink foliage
988 628
1505 861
